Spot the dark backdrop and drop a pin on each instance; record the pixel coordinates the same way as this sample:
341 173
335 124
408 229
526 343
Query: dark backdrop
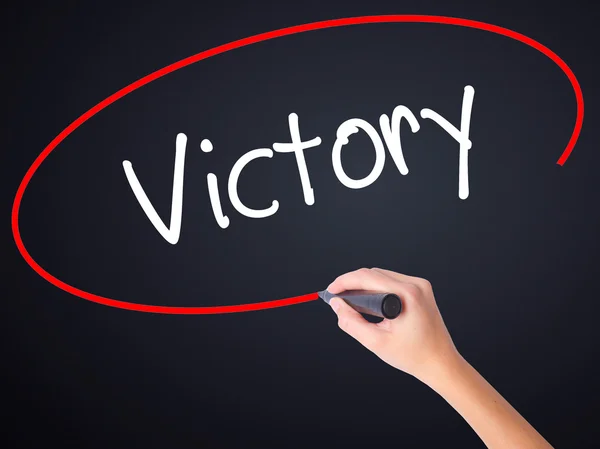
514 267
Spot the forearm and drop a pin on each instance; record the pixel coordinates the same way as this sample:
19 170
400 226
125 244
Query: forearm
496 422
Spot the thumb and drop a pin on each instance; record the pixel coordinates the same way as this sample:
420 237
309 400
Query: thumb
352 322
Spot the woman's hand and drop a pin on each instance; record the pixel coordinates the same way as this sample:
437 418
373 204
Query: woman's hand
417 341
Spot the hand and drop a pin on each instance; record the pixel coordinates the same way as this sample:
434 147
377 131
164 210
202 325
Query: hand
417 341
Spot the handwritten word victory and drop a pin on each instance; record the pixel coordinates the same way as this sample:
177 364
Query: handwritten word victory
390 130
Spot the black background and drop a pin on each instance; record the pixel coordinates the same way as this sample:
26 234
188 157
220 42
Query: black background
514 266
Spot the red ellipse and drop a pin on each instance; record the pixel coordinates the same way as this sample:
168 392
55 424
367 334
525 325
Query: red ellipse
231 46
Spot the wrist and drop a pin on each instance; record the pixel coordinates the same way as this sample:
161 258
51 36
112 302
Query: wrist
443 369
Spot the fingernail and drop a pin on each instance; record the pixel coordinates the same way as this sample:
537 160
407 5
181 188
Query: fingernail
334 303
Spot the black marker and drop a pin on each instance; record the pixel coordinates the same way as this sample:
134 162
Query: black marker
384 305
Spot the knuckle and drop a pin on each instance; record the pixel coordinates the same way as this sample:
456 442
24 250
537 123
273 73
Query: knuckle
412 291
364 270
425 285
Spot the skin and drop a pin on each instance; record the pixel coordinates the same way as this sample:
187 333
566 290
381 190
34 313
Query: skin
418 343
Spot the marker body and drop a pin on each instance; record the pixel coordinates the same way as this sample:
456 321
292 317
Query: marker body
383 305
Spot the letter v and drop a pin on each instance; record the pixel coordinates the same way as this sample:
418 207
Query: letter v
171 234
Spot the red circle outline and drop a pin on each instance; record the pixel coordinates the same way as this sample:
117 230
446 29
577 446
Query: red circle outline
231 46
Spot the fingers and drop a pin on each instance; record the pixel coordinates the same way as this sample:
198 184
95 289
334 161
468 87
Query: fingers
350 321
424 284
398 276
363 279
374 280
